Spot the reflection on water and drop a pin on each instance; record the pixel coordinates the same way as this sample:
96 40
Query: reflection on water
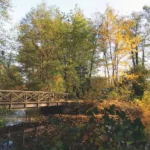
19 130
6 144
15 117
24 138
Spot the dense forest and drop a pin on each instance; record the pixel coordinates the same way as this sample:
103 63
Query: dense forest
55 51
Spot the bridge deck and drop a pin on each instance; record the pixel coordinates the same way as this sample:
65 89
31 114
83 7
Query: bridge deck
12 99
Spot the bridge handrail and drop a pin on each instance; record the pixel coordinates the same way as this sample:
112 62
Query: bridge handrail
33 91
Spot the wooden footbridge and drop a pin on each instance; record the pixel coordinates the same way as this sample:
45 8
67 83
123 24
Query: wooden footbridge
12 99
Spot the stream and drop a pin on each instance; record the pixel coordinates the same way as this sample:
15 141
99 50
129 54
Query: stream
18 129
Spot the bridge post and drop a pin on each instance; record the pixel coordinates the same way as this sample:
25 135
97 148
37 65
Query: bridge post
67 97
25 97
38 100
51 96
10 106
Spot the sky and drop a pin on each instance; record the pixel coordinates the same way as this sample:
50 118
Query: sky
22 7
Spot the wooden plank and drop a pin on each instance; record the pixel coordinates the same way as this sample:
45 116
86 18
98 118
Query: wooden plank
34 105
16 91
21 106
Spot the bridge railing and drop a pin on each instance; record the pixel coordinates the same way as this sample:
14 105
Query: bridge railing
13 97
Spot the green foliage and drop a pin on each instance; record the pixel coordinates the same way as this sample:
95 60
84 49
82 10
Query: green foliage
119 132
146 99
56 49
4 15
4 7
139 85
125 132
10 78
144 106
113 131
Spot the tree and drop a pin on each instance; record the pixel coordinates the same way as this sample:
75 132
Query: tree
39 38
80 52
10 76
118 43
55 47
5 6
141 27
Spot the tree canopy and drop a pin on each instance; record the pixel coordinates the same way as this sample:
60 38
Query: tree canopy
60 51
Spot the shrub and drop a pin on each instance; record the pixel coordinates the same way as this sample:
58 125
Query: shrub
144 105
117 131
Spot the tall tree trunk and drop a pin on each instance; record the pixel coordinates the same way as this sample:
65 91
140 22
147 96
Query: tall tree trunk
133 59
91 69
137 56
106 63
143 54
111 57
92 63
